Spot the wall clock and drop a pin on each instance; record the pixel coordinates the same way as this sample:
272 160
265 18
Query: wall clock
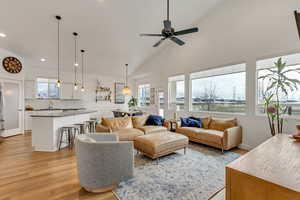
12 65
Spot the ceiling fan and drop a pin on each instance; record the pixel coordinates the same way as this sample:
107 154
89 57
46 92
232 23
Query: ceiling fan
169 32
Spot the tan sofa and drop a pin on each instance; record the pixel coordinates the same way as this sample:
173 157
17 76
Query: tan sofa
220 133
127 128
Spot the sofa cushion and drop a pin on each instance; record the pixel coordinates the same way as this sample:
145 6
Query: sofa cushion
155 120
205 122
152 129
222 124
128 134
202 134
139 121
117 123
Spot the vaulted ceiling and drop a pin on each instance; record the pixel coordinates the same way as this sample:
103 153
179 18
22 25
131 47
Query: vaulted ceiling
108 29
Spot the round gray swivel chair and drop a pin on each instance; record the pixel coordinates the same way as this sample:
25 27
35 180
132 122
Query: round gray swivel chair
103 161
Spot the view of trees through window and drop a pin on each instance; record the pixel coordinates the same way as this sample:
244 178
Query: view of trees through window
144 95
221 90
46 89
292 100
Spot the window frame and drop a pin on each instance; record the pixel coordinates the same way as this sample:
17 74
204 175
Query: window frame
49 80
146 85
288 58
244 64
181 78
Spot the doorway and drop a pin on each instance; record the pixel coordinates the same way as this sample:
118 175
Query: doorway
11 107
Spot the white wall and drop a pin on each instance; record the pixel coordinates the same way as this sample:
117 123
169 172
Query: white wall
236 31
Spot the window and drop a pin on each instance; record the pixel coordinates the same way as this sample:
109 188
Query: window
46 88
292 100
144 95
161 96
176 92
219 90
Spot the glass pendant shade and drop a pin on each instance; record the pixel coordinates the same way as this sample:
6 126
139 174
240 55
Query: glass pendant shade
58 84
126 91
82 89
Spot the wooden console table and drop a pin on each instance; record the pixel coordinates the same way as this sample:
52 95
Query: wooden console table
269 172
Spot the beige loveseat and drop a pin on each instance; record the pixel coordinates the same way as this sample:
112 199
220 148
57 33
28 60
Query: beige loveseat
127 128
220 133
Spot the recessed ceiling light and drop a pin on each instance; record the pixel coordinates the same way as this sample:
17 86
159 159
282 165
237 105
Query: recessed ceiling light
2 35
43 59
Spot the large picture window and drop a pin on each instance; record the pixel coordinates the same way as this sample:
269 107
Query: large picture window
144 95
292 100
219 90
176 92
46 88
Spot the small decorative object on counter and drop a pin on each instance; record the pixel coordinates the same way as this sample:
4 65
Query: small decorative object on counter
103 93
28 107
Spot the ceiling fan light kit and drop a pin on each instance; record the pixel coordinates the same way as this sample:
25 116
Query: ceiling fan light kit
169 32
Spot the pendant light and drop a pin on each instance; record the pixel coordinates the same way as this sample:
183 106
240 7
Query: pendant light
75 62
126 89
58 83
82 70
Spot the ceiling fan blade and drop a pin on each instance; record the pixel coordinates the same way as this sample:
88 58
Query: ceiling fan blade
177 41
156 35
187 31
167 24
297 16
159 42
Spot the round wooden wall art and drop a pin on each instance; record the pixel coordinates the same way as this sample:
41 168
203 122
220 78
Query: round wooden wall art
12 65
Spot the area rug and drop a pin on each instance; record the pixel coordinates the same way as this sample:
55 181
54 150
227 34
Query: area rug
194 176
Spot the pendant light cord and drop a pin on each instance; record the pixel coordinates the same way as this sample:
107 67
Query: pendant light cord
58 46
126 74
82 67
168 10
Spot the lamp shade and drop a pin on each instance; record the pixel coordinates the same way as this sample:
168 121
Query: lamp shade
126 91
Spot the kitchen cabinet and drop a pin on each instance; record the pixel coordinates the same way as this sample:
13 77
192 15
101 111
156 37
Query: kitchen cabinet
28 118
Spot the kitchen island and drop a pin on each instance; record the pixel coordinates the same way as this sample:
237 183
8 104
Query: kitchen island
46 127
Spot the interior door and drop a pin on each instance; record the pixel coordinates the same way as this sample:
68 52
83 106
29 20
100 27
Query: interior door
11 107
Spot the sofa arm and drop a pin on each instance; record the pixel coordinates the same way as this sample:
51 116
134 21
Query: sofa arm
232 137
102 129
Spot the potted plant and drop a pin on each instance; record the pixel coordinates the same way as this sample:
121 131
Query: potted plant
132 103
279 84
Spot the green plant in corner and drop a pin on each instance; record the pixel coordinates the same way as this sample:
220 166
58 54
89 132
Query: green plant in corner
279 84
133 102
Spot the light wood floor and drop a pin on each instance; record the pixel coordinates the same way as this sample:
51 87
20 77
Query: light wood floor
28 175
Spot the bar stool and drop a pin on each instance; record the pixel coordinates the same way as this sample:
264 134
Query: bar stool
70 132
82 127
91 126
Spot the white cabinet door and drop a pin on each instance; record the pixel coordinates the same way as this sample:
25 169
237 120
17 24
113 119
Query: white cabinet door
29 89
28 120
66 91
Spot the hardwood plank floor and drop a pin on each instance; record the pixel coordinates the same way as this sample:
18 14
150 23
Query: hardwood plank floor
28 175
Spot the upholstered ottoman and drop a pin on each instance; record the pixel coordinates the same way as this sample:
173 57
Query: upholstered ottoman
160 144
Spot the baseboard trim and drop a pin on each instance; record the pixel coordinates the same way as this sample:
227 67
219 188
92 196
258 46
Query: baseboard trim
246 147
